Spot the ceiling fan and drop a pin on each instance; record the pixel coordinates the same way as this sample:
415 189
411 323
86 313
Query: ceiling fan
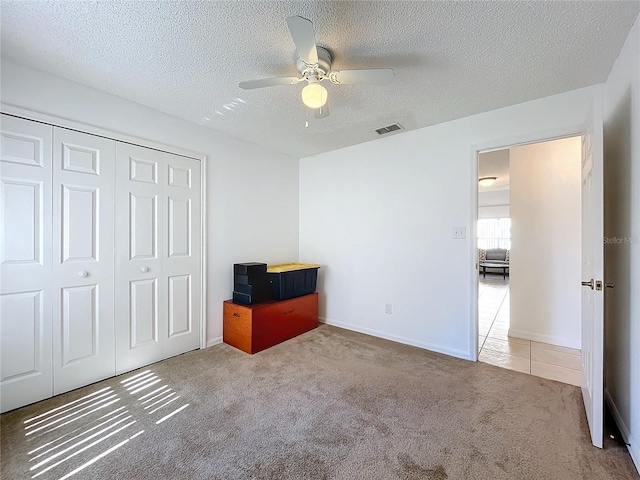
314 64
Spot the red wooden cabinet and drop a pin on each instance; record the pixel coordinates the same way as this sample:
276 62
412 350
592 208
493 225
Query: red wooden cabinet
252 328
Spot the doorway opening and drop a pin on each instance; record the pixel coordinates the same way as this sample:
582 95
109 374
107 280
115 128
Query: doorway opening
529 258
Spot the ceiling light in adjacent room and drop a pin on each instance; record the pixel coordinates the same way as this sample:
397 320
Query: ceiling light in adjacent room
487 181
314 95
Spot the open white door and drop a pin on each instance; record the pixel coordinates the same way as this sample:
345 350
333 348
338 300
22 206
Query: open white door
592 271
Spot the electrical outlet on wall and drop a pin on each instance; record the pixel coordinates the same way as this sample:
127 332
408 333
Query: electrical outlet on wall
388 308
459 232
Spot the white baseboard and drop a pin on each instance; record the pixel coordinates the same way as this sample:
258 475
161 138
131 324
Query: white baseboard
214 341
395 338
550 339
632 446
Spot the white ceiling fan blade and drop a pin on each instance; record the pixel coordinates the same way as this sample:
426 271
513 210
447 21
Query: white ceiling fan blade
268 82
302 34
372 76
322 112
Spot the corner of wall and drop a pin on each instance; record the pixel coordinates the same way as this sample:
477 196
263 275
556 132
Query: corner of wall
632 446
622 219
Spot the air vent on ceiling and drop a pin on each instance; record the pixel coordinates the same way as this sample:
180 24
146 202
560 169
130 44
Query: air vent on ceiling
389 129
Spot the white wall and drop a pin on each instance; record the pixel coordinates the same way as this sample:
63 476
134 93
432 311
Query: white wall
622 227
252 192
379 216
493 204
545 261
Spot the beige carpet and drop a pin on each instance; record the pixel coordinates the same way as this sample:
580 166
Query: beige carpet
330 404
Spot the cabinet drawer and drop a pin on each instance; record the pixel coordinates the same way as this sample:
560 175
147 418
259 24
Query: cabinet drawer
300 309
234 311
284 320
236 326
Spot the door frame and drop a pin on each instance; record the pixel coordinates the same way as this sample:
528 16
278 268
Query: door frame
498 144
26 114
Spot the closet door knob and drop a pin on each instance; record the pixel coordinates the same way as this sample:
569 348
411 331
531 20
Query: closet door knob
83 274
144 269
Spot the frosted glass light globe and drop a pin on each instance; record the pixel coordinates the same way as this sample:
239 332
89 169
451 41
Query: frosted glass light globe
314 95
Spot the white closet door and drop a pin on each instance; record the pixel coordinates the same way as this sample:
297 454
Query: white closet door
83 323
25 262
158 254
140 316
183 254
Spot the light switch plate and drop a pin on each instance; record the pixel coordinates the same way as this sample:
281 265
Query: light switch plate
459 232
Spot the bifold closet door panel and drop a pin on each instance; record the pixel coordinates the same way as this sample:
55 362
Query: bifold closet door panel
141 318
83 216
158 256
25 262
183 254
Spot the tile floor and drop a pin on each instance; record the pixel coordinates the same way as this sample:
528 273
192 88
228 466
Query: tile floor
497 348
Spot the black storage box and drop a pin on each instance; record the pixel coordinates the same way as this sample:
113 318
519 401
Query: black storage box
251 299
293 283
260 289
250 283
249 268
252 279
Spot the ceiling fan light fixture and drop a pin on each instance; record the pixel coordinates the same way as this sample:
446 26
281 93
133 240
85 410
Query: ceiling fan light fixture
314 95
314 65
487 181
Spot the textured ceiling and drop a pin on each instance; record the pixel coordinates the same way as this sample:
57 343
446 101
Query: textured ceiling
451 59
494 164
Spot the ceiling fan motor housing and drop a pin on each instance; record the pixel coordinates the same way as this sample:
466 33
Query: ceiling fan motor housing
324 62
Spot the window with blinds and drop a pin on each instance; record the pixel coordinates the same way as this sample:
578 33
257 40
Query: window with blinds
494 233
